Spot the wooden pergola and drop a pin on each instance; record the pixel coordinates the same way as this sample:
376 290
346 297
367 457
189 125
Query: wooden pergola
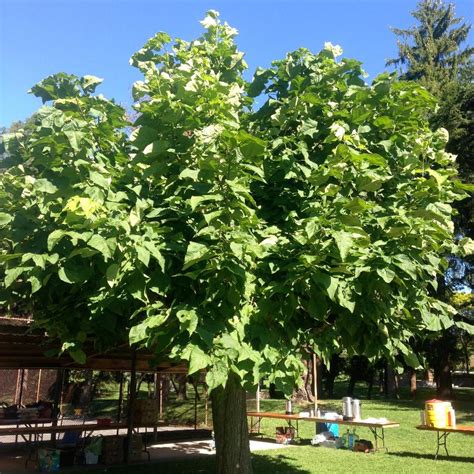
22 346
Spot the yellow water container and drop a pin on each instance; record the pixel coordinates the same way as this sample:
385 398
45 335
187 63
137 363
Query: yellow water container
437 413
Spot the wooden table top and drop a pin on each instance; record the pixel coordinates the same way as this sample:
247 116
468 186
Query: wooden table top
449 429
17 421
72 427
283 416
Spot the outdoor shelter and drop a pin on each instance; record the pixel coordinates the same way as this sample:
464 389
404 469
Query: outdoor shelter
23 347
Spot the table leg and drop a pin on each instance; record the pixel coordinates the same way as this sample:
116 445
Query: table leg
255 425
296 427
441 440
378 436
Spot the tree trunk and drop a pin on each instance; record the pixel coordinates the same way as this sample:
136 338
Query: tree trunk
392 383
412 373
230 428
445 384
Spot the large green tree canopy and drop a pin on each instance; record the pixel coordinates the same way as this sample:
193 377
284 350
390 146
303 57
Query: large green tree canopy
223 233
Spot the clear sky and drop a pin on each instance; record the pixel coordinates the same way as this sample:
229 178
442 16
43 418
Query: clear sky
42 37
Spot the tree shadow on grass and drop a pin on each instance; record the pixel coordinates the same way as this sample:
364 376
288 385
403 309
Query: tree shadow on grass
263 464
404 454
205 464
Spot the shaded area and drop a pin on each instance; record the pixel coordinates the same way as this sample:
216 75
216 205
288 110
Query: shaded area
441 456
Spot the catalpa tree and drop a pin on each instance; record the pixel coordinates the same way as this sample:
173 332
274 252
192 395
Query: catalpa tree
230 236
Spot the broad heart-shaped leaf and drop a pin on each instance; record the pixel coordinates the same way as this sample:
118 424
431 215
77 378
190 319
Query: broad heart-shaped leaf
344 241
326 282
11 274
99 243
412 360
188 319
78 355
89 83
75 138
45 186
195 253
143 255
386 274
73 273
55 237
111 273
469 328
217 375
5 218
198 360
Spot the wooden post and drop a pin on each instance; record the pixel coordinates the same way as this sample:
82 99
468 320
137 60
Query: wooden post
57 399
206 409
161 395
315 383
38 387
195 409
22 382
17 387
257 404
120 400
130 407
156 387
257 398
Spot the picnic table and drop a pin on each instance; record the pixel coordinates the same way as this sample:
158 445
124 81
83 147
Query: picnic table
377 429
87 428
443 433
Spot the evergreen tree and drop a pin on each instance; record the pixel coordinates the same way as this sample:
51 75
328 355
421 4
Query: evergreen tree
431 52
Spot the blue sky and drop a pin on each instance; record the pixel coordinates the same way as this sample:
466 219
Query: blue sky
41 37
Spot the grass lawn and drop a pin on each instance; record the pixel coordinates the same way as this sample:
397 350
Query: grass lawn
410 450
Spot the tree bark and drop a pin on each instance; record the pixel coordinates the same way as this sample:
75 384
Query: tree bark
445 383
230 428
392 382
412 373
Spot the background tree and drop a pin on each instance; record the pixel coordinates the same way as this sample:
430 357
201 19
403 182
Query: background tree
232 239
432 54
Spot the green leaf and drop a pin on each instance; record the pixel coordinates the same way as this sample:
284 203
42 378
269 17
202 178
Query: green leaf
99 179
45 186
143 255
5 219
198 360
75 138
35 283
217 375
78 355
189 173
469 328
383 122
188 319
12 274
89 83
98 242
74 274
386 274
344 241
327 283
111 274
412 360
195 253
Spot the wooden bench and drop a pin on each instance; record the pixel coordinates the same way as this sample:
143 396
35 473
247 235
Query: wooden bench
443 433
377 429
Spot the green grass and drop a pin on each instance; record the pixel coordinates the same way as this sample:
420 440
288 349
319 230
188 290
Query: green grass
410 450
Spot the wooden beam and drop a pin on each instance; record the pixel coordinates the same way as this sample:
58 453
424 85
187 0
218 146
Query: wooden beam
131 404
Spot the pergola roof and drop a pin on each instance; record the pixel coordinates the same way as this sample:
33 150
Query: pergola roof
23 347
